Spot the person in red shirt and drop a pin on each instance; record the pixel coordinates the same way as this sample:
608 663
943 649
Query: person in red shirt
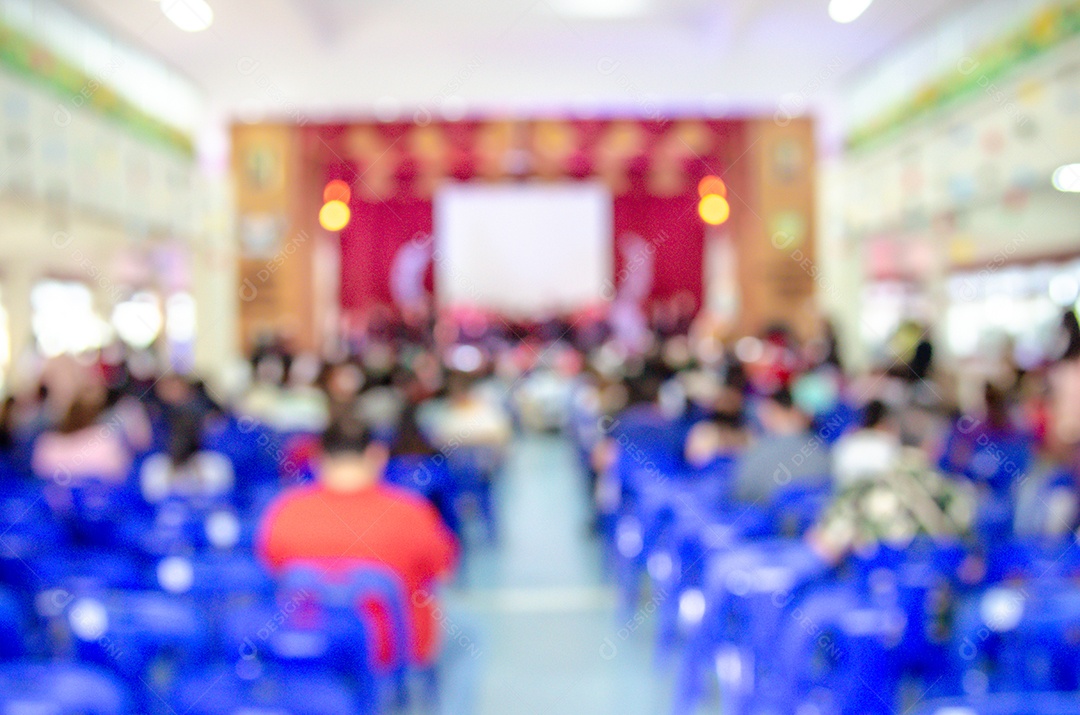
349 515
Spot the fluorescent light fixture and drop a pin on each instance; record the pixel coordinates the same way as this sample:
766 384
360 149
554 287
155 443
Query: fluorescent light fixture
601 9
1067 178
188 15
845 11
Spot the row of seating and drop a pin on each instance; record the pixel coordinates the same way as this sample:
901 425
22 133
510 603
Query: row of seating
748 608
111 605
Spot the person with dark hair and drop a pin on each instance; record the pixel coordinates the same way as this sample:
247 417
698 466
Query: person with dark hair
988 447
184 468
417 466
1064 380
9 457
721 434
869 451
351 516
83 445
467 417
788 453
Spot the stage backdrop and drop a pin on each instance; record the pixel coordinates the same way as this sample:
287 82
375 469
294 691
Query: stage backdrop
650 167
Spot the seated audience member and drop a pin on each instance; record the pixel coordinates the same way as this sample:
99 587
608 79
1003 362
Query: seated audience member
342 383
381 402
722 434
1063 378
868 452
185 469
989 449
83 445
466 418
893 507
788 453
350 516
417 466
641 437
9 467
302 406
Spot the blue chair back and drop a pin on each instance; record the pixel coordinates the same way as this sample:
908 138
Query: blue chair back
256 687
61 688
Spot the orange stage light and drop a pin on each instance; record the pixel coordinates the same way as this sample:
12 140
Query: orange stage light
334 215
337 190
714 209
711 185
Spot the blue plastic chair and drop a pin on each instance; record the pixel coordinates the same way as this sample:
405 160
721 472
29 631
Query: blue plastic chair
1020 637
677 564
82 570
746 593
795 508
995 458
838 653
320 618
251 686
145 637
473 470
14 626
430 477
61 688
1047 703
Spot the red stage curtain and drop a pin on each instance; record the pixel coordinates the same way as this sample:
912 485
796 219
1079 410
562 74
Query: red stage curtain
369 243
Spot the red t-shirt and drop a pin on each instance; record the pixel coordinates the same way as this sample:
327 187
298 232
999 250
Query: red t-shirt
381 524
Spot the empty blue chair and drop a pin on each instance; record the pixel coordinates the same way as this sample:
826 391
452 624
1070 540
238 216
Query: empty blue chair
1019 637
14 626
61 688
746 593
88 569
795 508
676 565
252 686
145 637
1049 703
474 469
836 654
429 476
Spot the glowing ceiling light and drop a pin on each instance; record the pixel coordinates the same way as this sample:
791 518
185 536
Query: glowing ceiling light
601 9
188 15
1067 178
845 11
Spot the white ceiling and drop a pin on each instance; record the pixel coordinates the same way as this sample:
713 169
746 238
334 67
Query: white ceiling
320 59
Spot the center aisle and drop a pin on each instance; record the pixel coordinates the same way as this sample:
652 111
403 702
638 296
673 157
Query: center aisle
531 627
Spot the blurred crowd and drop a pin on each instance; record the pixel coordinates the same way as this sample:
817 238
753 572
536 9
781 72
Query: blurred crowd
389 452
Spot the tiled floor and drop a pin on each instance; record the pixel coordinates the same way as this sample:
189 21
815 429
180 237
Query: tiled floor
531 626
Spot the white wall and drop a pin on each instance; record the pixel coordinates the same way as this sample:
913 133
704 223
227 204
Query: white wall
967 185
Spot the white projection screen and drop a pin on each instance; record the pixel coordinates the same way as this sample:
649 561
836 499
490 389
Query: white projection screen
523 250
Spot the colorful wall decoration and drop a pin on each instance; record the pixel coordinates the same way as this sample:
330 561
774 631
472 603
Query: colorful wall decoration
1049 28
27 58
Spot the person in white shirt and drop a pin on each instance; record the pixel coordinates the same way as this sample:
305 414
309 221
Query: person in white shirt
185 470
869 451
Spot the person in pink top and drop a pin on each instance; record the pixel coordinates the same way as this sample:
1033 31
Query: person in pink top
83 445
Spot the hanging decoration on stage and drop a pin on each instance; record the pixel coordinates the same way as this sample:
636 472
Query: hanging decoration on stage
627 316
632 157
407 274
